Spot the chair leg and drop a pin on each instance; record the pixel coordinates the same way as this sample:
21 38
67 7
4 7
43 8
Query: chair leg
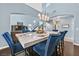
26 52
62 46
60 50
12 53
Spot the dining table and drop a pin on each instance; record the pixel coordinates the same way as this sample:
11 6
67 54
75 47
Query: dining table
31 38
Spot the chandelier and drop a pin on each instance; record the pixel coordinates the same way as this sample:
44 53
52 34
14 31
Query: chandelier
43 16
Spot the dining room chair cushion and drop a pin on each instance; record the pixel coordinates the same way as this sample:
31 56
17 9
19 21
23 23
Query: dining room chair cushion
39 47
46 48
15 47
18 47
63 33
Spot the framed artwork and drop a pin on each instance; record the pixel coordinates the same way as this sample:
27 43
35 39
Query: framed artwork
65 25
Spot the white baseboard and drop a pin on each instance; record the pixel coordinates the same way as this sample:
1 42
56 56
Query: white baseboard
76 44
1 48
68 39
71 40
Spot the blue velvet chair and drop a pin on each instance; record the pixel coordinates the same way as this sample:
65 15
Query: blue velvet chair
15 48
47 48
60 47
25 29
63 33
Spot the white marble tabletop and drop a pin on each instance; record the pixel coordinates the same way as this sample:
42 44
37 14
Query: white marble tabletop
32 38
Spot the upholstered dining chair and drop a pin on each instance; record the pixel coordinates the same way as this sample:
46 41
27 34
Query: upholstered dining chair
25 29
63 33
15 48
47 48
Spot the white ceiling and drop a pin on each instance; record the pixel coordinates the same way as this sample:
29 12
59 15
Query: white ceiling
37 6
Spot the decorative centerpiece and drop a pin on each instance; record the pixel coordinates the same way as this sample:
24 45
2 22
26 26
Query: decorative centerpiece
40 30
